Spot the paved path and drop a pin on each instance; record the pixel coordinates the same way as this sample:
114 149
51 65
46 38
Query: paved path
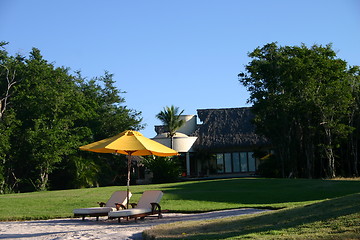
74 228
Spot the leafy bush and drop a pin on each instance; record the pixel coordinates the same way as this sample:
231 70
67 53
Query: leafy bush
269 167
164 169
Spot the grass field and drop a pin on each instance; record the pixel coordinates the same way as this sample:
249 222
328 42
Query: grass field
194 196
338 218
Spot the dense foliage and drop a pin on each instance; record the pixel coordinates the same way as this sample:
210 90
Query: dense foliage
164 169
46 113
306 102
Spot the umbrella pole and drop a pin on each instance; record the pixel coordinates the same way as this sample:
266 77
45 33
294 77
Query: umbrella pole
128 181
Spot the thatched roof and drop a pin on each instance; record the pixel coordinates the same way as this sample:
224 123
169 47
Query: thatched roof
159 129
227 128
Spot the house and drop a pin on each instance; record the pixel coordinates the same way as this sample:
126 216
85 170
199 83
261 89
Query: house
225 143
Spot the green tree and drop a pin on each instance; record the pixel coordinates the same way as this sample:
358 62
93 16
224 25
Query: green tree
352 152
171 118
107 116
301 96
47 105
46 114
9 66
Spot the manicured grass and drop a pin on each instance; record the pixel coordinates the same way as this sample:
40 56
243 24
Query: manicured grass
182 197
338 218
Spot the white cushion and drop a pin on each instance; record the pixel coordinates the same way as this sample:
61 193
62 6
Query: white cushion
93 210
128 212
143 206
118 197
152 196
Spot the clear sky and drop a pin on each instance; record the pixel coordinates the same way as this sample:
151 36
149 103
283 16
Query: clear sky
185 53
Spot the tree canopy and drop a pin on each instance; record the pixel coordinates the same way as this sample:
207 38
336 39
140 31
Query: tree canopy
46 114
306 102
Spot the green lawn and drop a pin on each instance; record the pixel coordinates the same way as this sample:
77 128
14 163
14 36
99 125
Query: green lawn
182 197
338 218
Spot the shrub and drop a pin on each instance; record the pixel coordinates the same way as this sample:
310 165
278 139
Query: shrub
269 167
164 169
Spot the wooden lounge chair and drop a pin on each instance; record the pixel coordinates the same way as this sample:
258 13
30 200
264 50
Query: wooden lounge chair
117 201
147 205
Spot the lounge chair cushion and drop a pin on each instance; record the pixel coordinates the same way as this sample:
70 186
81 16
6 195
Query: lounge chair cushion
143 206
148 197
128 212
116 197
93 210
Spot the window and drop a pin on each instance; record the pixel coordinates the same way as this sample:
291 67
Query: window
220 163
236 161
251 162
228 164
244 164
212 165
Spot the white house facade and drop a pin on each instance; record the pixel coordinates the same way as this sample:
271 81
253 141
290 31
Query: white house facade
224 143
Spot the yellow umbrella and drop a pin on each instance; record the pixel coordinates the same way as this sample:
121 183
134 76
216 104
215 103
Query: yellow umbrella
129 143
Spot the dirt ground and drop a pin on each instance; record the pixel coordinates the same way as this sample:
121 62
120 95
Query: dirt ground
75 228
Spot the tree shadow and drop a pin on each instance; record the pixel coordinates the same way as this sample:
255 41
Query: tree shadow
261 191
273 221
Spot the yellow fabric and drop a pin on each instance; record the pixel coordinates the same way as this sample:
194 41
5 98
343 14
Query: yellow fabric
130 143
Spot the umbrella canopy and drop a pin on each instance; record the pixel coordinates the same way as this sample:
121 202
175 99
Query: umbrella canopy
129 143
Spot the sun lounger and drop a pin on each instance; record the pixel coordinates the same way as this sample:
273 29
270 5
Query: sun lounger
118 200
147 205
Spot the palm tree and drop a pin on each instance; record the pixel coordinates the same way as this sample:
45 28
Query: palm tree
171 119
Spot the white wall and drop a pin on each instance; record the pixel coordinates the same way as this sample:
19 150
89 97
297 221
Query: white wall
181 142
190 125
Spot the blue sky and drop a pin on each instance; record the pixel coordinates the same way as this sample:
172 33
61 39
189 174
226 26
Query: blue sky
185 53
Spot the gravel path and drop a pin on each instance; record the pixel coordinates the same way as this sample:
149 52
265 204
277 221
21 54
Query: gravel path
74 228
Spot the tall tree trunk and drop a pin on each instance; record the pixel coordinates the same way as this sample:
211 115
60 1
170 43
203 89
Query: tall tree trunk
329 153
310 156
354 140
44 177
10 83
354 148
352 158
309 146
282 161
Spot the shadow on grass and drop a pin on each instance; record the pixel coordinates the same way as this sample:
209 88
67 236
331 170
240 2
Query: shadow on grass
261 191
267 223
